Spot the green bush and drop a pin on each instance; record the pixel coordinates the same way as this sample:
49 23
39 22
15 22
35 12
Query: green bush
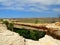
36 21
11 26
30 34
6 23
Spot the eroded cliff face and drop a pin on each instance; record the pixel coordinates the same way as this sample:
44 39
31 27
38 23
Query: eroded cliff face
54 30
9 38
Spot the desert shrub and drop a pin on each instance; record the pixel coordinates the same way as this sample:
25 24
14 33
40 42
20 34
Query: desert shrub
11 26
36 21
30 34
6 23
59 18
34 35
42 34
1 19
22 32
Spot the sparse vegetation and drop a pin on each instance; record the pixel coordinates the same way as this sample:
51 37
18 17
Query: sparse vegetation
36 21
6 23
59 18
53 20
11 26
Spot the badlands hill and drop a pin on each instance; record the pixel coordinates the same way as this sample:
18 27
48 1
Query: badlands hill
8 37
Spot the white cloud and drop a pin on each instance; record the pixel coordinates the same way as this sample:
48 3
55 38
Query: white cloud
45 2
56 10
12 8
32 5
57 1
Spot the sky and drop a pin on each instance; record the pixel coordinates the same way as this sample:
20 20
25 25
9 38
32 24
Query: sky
29 8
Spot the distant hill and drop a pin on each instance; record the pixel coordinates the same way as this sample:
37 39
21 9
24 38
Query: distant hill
34 20
37 20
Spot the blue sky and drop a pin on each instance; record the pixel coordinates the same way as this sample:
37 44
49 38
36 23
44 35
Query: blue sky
29 8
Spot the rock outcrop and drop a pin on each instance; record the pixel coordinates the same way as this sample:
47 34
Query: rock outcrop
54 30
47 40
9 38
